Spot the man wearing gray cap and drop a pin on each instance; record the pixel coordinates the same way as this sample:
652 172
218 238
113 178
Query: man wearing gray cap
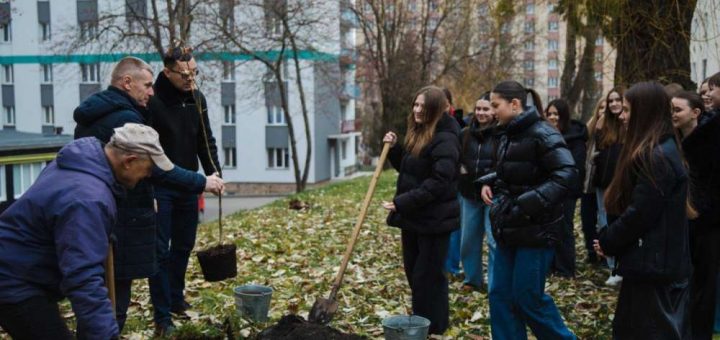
54 238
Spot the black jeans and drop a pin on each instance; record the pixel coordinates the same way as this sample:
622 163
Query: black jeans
423 259
704 248
34 319
122 301
588 217
564 261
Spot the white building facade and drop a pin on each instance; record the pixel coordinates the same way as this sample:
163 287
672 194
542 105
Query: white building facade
705 40
41 87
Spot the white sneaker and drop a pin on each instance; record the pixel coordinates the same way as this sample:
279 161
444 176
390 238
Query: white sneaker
613 280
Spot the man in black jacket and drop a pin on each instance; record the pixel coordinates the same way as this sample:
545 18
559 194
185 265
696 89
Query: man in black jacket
125 101
180 116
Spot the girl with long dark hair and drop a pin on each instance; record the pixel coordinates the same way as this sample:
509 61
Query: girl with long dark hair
700 133
608 135
534 174
649 193
477 142
425 206
575 134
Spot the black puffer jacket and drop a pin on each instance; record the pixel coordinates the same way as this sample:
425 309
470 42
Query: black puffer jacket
576 138
702 151
476 159
605 163
535 173
426 194
650 238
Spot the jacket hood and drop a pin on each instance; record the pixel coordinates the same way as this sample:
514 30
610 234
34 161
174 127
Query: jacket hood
576 130
87 155
103 103
523 121
448 124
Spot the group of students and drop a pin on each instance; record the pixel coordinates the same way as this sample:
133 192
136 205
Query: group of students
646 168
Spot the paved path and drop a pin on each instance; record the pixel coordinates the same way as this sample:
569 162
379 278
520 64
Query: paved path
233 204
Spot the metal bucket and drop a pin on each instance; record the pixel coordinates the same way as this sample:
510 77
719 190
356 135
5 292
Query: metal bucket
253 301
406 327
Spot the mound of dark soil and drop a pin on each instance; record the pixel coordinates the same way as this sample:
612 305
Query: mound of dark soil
295 327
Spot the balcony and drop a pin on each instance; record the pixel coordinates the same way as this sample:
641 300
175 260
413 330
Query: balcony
348 19
348 56
351 125
350 91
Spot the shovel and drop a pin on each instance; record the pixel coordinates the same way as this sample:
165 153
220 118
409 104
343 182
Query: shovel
323 310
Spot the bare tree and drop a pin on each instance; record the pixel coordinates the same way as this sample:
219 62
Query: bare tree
288 29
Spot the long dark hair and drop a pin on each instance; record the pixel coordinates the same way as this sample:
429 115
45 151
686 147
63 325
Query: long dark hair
650 120
419 135
611 131
511 89
563 110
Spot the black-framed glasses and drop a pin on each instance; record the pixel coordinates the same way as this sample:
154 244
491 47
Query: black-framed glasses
186 75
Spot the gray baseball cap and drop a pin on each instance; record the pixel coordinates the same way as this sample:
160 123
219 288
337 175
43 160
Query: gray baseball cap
141 139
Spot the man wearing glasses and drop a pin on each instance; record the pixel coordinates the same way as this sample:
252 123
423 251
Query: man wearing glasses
180 116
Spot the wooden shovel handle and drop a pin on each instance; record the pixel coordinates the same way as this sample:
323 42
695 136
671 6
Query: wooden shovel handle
110 275
361 219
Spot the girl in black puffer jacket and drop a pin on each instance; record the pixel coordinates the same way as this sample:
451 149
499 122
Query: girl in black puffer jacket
535 173
478 146
425 206
575 135
650 236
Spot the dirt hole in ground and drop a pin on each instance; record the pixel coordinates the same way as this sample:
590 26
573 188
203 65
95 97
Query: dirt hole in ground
295 327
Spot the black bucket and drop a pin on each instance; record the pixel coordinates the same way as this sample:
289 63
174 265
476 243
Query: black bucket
218 263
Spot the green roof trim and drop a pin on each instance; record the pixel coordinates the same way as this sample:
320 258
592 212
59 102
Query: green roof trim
114 57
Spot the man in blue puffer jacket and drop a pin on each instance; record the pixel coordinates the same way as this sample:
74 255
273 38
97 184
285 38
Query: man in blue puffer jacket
135 234
54 239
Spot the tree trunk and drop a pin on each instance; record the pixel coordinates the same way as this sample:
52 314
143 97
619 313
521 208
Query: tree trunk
653 41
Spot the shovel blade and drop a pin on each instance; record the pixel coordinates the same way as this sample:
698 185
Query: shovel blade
322 311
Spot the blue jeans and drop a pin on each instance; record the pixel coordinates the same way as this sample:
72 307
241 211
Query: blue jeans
475 223
517 296
602 220
452 262
177 220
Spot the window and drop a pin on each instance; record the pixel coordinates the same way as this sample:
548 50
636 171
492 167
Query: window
599 57
275 115
278 158
6 32
530 45
552 45
529 65
8 75
704 68
599 41
343 149
229 114
228 71
551 7
552 82
230 157
530 9
90 73
47 73
88 29
48 115
9 115
24 175
3 198
529 27
529 82
598 75
553 64
553 26
45 33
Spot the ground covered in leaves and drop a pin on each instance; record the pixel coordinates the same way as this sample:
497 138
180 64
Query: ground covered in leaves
297 253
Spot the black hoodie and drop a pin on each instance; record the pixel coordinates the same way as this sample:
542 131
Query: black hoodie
178 122
576 138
